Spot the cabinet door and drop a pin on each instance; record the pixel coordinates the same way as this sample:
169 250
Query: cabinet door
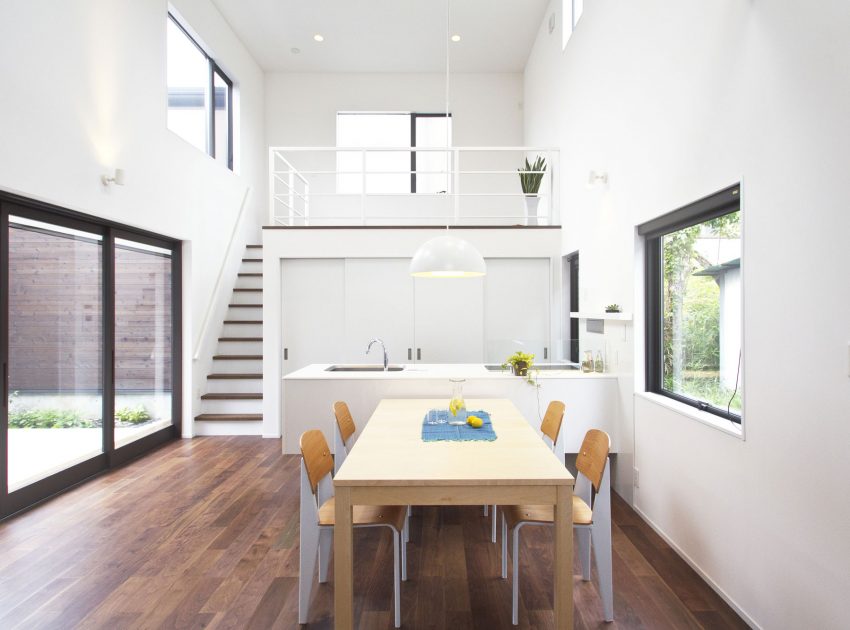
313 309
516 308
448 320
378 303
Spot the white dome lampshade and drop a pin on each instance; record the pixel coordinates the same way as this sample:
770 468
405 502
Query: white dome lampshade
447 257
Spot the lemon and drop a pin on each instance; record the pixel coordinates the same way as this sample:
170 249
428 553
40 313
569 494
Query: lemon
456 405
475 422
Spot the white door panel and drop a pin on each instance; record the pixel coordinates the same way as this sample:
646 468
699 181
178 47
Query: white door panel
449 320
378 303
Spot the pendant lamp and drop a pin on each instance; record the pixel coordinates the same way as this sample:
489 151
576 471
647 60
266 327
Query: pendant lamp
447 256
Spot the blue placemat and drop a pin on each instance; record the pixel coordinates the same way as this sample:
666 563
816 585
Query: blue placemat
436 428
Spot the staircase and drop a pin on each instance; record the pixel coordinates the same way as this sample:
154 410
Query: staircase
233 401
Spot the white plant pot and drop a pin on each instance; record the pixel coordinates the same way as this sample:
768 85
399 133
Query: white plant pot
531 203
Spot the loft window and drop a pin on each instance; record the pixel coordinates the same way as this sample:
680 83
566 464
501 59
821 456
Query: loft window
571 11
200 96
693 302
388 171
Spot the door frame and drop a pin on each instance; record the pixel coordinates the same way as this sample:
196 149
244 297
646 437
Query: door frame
17 205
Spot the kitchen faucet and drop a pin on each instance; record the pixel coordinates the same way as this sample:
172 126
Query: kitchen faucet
383 347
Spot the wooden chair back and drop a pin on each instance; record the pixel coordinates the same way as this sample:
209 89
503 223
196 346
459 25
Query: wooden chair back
344 420
551 425
317 456
593 455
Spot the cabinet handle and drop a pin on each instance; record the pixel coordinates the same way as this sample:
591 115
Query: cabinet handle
418 354
286 354
545 353
409 354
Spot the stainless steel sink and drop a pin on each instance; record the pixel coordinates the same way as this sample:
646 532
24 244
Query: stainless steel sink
543 367
363 368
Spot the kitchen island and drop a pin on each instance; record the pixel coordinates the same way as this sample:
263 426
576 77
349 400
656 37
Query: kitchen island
592 400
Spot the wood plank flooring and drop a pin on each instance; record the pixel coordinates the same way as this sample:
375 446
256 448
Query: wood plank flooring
203 533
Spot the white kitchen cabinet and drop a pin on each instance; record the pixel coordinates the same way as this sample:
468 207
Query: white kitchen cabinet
378 303
449 320
516 308
313 311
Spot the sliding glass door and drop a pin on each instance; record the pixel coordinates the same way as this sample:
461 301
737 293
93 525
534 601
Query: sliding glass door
143 340
90 317
55 376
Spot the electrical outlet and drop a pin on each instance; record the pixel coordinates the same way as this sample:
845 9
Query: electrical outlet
637 478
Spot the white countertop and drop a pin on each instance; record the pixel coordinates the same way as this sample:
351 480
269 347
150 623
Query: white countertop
425 371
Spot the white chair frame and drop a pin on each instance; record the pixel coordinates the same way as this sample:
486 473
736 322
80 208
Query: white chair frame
493 510
316 541
341 452
597 533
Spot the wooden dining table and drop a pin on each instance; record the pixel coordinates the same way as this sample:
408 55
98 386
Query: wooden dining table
390 464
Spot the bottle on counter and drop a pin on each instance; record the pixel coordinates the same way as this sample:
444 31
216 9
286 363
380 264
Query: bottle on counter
587 362
599 365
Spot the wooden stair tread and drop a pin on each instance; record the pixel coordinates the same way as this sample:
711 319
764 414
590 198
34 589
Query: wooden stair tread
252 260
240 338
237 357
234 376
233 396
254 246
241 290
233 417
245 305
251 274
243 321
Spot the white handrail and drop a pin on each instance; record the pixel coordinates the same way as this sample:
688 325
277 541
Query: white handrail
202 333
291 193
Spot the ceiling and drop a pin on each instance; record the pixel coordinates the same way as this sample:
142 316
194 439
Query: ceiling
386 35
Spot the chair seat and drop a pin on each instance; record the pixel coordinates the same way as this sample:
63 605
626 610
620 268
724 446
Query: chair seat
582 514
364 515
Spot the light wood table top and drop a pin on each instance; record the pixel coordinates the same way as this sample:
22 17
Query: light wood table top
390 451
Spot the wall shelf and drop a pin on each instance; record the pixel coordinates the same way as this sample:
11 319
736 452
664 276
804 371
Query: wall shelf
623 317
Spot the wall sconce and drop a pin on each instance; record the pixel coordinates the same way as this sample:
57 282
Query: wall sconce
597 178
117 178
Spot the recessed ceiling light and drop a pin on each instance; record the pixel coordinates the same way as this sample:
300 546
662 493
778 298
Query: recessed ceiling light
319 37
295 51
455 38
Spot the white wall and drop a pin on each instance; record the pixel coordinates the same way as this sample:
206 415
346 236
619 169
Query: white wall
84 91
301 108
675 101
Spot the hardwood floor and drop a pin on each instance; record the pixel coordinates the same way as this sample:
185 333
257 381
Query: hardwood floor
203 533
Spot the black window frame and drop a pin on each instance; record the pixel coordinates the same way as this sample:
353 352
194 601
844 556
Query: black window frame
209 106
112 456
723 202
413 118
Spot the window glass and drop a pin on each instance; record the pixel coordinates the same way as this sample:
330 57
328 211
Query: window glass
221 117
188 77
200 107
701 309
432 167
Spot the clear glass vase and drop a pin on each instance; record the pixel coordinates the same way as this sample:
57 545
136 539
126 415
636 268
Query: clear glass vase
457 406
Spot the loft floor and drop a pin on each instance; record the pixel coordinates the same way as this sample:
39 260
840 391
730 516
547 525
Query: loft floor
204 533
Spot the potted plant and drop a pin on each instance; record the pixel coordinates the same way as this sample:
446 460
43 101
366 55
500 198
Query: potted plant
529 178
612 308
520 362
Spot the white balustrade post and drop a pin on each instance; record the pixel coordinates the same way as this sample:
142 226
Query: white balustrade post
271 186
456 188
363 187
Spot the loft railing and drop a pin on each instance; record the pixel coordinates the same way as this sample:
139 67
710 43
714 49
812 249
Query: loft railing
310 186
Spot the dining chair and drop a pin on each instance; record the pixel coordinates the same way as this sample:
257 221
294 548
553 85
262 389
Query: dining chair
317 519
343 430
551 428
591 524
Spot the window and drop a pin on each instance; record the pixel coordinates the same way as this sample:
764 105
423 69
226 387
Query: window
693 301
572 11
192 76
393 172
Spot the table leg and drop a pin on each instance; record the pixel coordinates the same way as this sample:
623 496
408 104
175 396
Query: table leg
564 558
343 560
